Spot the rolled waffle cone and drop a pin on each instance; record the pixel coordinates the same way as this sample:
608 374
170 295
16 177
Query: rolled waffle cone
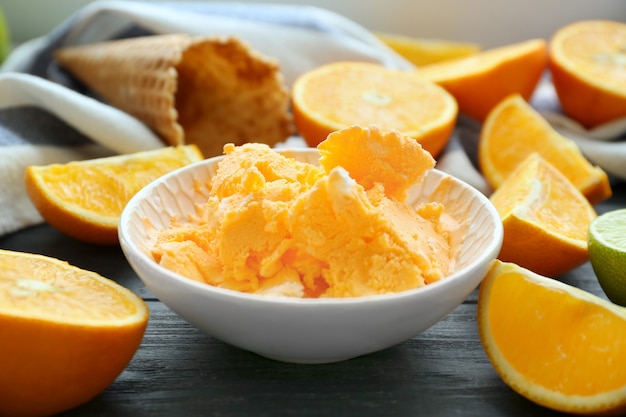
202 90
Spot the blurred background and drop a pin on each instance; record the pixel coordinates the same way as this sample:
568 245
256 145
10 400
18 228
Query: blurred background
488 23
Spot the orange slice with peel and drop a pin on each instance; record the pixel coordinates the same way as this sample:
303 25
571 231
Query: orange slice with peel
588 67
555 344
84 199
424 51
514 130
65 334
343 94
481 81
545 219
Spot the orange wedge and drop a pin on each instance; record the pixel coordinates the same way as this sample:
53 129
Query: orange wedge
85 199
65 334
554 344
515 130
343 94
481 81
424 51
545 219
588 66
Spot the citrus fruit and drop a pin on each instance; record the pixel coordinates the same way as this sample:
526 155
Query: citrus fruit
545 219
481 81
342 94
422 51
513 130
84 199
372 156
65 334
588 67
555 344
607 253
5 39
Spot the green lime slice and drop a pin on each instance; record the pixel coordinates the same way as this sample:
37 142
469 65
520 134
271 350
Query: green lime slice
607 253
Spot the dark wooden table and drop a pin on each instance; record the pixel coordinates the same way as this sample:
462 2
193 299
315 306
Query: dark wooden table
179 371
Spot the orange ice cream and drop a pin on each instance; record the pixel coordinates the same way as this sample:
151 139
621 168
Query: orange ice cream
273 225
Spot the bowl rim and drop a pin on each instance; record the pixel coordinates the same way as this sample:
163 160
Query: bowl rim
129 247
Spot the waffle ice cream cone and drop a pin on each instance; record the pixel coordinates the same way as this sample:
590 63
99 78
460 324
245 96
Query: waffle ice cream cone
202 90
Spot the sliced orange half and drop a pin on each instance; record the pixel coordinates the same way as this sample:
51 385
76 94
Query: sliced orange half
344 94
588 66
65 334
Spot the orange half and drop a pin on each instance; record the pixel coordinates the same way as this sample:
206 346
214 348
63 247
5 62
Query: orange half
588 66
65 334
339 95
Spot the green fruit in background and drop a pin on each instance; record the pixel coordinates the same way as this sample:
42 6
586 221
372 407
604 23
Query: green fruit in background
607 253
4 38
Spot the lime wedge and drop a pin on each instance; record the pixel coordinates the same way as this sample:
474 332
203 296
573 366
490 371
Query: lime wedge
607 253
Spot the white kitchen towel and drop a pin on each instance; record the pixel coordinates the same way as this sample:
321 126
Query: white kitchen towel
43 121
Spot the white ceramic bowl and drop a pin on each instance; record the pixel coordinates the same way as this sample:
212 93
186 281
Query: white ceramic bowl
307 330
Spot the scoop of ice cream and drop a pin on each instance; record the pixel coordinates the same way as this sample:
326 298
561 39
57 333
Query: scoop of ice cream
256 169
243 220
273 225
373 156
365 245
